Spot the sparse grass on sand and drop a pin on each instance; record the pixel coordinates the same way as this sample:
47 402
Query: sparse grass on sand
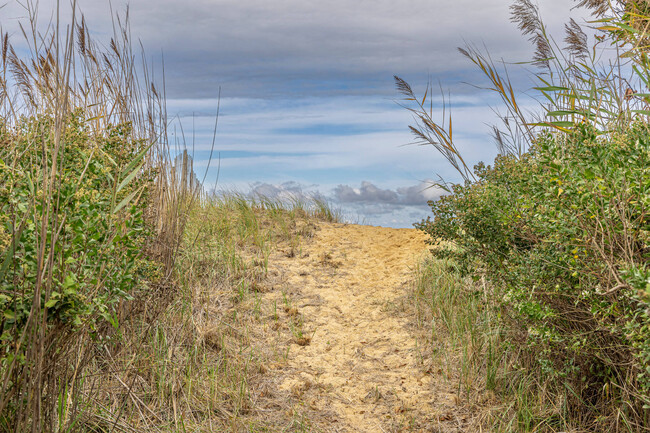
200 360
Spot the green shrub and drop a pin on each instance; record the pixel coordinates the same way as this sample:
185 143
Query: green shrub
72 234
563 233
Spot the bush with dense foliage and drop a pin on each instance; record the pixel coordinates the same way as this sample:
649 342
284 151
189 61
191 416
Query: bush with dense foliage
558 225
73 233
98 229
563 234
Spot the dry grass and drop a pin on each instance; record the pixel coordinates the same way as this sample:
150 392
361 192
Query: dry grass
202 354
185 351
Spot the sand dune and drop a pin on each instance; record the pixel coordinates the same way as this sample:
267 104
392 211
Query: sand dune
357 367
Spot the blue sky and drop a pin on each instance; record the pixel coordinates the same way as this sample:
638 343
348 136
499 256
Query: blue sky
308 102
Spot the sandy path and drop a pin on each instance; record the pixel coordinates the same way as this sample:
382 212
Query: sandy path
360 370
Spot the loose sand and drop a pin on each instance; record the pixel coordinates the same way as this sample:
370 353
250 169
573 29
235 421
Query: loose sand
360 372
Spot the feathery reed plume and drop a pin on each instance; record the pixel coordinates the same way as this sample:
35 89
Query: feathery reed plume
404 88
81 36
577 86
429 132
20 75
576 40
598 7
5 49
526 15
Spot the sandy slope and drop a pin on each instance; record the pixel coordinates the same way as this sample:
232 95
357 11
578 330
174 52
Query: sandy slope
360 372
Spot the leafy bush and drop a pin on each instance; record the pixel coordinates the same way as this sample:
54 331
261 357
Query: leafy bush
72 231
562 232
100 230
88 201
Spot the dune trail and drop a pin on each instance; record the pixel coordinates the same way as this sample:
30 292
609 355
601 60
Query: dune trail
353 365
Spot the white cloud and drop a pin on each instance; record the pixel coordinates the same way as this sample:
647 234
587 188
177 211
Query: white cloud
368 204
369 193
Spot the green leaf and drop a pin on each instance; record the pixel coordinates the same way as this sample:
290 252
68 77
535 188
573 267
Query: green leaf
9 253
562 124
69 281
559 113
136 160
52 302
624 26
30 184
126 200
643 75
108 157
128 179
559 123
551 88
568 113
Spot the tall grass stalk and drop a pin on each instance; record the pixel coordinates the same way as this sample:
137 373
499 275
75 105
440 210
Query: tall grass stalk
556 228
83 143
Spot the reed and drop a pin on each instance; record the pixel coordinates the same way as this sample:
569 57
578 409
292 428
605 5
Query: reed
92 219
554 231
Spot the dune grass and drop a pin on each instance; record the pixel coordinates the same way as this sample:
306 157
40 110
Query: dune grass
202 353
126 293
463 339
553 325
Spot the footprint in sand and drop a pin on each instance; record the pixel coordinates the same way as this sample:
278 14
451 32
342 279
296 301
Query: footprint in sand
360 369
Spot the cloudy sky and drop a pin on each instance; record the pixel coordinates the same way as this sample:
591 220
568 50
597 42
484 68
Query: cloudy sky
308 103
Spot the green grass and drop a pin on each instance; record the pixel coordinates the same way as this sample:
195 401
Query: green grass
462 339
203 357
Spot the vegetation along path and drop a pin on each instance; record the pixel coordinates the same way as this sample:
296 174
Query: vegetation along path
353 365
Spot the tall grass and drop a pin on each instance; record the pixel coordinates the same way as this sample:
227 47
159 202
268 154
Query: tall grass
91 220
555 231
464 340
128 295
